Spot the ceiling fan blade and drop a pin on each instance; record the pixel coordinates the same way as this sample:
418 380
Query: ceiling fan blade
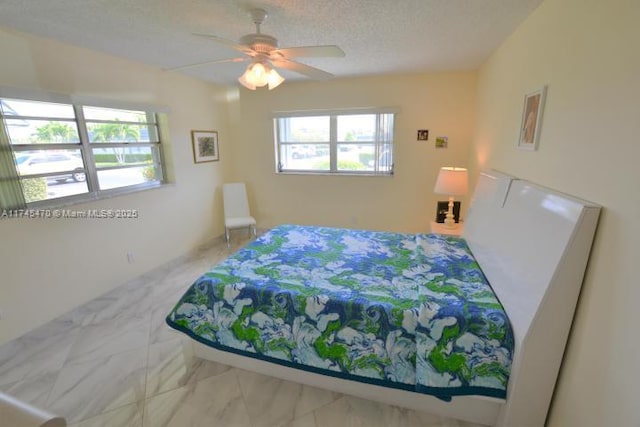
229 43
329 51
304 69
198 64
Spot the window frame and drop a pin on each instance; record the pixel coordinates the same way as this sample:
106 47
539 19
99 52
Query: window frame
86 147
333 141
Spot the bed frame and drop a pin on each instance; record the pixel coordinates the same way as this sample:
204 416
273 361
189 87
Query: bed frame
533 245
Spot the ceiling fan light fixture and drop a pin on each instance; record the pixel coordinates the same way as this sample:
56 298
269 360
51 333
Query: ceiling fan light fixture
260 74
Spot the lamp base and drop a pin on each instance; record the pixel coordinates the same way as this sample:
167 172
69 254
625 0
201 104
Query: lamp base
449 222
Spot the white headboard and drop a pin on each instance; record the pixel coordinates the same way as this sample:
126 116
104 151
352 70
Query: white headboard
533 245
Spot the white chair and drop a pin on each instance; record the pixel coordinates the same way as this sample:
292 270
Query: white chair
236 209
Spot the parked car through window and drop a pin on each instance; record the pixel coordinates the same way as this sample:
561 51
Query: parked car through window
34 164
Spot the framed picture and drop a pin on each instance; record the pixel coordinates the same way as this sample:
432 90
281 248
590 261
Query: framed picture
205 146
531 119
442 142
443 207
423 134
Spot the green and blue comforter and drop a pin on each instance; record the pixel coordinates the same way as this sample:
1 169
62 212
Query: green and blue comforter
410 311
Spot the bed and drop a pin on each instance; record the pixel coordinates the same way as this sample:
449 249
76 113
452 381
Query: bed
472 328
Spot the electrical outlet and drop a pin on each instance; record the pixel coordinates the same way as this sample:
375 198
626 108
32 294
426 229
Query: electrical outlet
130 258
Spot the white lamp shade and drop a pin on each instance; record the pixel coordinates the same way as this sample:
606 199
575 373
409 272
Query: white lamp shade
244 82
452 181
275 79
258 74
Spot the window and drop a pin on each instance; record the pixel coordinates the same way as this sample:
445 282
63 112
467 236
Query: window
351 142
80 152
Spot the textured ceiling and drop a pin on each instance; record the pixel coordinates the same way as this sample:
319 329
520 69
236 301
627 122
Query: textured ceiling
378 36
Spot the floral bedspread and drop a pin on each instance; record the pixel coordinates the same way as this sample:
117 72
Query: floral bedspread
410 311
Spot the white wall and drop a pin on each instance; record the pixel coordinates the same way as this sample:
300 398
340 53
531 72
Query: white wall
441 102
587 52
50 266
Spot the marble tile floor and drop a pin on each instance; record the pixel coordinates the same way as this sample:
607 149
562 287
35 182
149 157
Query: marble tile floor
113 362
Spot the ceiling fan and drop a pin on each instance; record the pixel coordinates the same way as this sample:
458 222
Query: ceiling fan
265 55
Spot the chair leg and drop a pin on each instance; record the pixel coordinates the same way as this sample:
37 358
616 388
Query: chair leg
226 235
255 233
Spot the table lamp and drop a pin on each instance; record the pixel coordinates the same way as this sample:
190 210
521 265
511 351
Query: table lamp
451 181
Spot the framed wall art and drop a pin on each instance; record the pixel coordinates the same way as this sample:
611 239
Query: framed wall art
442 142
205 146
531 119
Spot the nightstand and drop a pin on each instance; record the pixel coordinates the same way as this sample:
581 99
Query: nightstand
439 228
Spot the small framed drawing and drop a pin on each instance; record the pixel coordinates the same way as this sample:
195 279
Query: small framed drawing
423 134
531 119
442 142
205 146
